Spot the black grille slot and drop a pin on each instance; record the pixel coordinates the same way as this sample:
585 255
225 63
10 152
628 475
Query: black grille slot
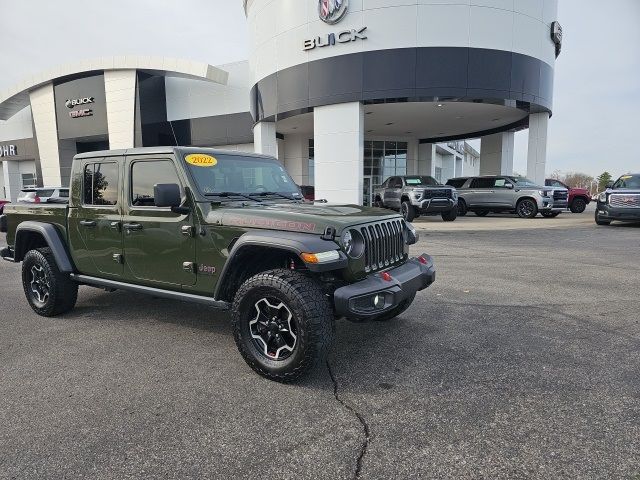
437 193
384 244
559 195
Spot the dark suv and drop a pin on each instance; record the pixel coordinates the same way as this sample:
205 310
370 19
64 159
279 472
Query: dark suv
621 201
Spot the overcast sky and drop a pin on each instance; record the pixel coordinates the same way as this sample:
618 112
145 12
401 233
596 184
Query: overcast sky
595 125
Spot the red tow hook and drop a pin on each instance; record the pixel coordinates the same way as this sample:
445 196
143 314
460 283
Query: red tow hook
422 260
386 277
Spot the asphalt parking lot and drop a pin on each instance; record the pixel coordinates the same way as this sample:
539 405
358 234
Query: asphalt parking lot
522 361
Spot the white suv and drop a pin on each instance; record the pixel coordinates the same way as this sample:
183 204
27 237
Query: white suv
43 194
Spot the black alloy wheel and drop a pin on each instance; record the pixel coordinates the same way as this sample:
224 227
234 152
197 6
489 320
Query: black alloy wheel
578 205
527 208
481 213
462 208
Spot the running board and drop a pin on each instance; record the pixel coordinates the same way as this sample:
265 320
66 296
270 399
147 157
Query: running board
156 292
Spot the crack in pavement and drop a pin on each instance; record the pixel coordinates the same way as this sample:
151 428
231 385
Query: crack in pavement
365 426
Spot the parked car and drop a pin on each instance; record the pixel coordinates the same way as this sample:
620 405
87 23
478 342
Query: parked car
579 198
493 193
415 195
224 229
308 192
42 194
2 204
620 201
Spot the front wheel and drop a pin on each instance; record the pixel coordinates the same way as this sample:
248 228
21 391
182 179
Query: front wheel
481 213
282 324
462 208
527 208
578 205
450 216
550 214
408 211
49 291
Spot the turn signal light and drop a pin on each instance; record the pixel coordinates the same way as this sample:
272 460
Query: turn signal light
322 257
386 277
422 260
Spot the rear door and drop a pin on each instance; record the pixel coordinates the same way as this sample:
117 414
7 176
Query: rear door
503 196
95 219
159 245
479 193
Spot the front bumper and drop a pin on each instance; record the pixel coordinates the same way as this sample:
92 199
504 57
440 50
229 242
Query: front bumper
613 213
436 205
548 204
357 300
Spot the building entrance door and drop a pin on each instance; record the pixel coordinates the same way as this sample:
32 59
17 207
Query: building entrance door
367 191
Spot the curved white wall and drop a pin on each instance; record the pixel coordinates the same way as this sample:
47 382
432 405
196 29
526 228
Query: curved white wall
277 28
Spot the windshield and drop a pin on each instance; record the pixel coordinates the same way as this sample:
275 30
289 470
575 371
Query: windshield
524 182
411 181
220 173
628 181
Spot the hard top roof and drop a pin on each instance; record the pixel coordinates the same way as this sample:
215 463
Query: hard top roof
164 150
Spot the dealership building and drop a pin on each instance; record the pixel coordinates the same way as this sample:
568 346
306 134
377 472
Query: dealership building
344 92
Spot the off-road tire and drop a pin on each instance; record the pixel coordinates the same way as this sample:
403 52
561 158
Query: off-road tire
601 222
62 291
450 216
578 205
462 208
311 310
530 212
408 211
396 311
550 214
481 213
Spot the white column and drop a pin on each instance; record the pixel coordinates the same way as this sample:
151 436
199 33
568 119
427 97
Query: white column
426 154
12 179
537 154
46 131
120 94
339 152
296 158
496 154
264 138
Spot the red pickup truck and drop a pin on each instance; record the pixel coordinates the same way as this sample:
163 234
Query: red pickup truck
579 198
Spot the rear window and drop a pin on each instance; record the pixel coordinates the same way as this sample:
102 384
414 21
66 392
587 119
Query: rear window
100 184
64 193
456 182
482 183
45 193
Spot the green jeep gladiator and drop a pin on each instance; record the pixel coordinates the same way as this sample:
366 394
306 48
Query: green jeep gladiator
225 229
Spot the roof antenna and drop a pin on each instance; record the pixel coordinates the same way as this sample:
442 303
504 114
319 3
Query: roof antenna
175 139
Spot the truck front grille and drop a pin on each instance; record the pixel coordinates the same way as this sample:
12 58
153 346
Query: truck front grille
431 193
560 195
384 244
621 200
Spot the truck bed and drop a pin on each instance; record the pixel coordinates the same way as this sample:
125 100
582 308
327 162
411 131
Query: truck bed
53 213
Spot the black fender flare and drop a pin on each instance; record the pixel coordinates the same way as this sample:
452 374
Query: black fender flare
53 239
293 242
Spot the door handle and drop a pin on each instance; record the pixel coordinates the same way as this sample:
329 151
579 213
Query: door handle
88 223
115 226
132 226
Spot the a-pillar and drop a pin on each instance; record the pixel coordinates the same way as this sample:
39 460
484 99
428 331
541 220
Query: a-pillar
496 154
12 180
537 154
338 152
264 139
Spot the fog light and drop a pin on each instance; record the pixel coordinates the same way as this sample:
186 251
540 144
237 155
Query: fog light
378 301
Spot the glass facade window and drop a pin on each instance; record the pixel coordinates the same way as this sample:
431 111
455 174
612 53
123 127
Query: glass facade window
312 176
384 159
28 180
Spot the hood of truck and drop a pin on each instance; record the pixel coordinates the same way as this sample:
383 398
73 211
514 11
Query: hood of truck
296 217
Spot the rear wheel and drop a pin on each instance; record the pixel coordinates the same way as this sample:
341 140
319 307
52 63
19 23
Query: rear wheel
550 214
482 213
527 208
578 205
49 291
282 324
408 211
600 221
450 216
462 208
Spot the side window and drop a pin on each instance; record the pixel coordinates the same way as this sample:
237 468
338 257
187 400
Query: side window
482 183
396 182
385 183
101 184
500 183
144 175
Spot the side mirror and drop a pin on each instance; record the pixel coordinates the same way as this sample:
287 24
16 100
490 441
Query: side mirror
609 184
509 185
166 195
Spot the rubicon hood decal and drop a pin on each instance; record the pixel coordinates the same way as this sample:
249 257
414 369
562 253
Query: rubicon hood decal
271 223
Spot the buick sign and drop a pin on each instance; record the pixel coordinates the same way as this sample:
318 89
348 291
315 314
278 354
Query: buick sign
332 11
74 102
332 39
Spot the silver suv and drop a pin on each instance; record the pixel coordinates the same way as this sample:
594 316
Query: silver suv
482 195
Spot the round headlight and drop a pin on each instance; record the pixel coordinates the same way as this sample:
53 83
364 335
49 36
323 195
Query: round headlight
353 243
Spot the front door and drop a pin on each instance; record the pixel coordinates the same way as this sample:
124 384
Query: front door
367 192
95 220
159 246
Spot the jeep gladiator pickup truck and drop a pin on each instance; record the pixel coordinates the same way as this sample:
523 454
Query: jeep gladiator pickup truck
417 195
225 229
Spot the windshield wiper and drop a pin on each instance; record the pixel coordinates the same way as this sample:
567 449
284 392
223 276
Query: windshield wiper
232 194
281 195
